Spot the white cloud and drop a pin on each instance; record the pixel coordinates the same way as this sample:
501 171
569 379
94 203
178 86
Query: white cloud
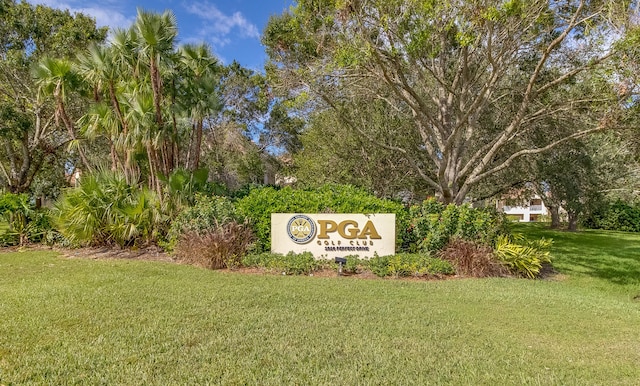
106 15
220 25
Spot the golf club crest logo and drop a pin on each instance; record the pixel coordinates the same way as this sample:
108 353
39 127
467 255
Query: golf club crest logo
301 229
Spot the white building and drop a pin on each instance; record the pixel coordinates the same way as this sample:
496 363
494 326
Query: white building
526 213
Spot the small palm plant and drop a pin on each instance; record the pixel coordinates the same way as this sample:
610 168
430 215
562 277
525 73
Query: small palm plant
105 210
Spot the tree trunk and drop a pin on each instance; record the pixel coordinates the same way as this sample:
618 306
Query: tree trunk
71 129
555 217
188 162
154 182
196 151
573 221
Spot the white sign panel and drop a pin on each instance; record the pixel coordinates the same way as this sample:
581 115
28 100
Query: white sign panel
328 235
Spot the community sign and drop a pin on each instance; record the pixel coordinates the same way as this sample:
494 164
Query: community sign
329 235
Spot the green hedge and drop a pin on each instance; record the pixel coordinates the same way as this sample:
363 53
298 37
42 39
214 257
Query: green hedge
433 224
617 216
261 202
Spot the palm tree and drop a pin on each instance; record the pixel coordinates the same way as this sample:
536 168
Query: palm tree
103 66
144 131
200 93
156 34
57 78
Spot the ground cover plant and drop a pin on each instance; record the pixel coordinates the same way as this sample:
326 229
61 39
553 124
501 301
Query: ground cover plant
84 321
398 265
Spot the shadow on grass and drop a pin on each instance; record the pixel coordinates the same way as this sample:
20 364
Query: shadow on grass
613 256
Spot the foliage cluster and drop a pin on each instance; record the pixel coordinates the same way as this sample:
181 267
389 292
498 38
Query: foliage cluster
215 232
104 209
369 71
25 222
434 224
617 216
408 264
353 265
290 264
34 144
523 257
477 241
261 202
211 233
206 214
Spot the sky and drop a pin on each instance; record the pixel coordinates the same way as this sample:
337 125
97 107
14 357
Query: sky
231 27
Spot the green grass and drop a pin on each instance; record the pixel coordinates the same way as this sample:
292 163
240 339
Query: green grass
3 226
81 321
606 260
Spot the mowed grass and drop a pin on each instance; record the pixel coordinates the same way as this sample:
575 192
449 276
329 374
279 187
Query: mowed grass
81 321
604 260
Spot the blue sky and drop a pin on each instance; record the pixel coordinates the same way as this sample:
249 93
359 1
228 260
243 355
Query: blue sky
232 28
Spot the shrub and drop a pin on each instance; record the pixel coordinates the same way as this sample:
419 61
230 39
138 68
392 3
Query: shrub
408 264
523 258
434 224
379 265
8 239
222 246
207 214
26 223
105 210
261 202
290 264
256 260
354 264
472 259
617 216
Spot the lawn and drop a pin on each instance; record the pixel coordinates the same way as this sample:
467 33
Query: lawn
609 261
82 321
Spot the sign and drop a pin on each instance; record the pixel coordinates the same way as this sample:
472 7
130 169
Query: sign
328 235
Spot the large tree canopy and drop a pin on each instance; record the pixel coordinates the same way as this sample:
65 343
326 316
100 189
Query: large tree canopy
467 87
29 136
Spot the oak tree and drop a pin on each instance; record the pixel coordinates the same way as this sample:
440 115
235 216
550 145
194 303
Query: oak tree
470 80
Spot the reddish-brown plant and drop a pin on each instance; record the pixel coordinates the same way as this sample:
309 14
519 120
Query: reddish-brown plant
220 247
472 259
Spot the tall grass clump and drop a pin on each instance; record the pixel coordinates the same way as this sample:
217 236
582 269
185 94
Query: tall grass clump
211 233
472 259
